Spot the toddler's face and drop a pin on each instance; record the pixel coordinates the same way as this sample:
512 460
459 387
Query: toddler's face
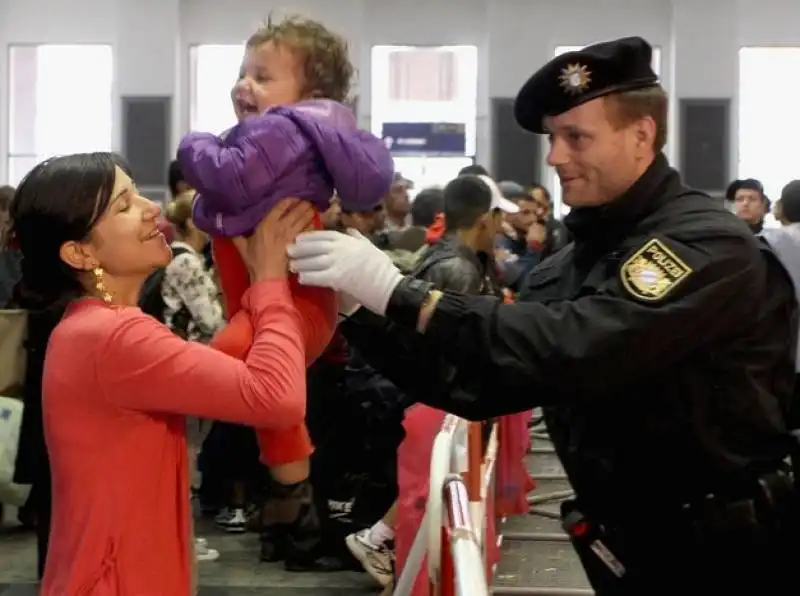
270 76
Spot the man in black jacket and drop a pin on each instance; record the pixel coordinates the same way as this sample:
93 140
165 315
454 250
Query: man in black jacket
661 343
460 261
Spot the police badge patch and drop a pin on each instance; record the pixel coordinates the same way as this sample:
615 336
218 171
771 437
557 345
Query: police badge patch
653 271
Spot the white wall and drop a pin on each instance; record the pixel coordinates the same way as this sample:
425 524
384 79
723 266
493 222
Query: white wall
699 38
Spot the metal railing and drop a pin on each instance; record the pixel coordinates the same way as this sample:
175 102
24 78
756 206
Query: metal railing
453 531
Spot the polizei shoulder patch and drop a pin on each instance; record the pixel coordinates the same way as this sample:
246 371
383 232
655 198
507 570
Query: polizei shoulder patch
653 271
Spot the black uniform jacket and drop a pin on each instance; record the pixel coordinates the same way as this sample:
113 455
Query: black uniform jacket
447 265
661 343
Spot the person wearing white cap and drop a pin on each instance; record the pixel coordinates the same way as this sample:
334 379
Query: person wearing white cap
498 200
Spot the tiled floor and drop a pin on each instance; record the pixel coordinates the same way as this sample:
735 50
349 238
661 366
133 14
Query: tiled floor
539 564
236 573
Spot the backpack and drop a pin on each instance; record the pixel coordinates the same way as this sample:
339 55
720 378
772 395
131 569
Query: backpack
151 300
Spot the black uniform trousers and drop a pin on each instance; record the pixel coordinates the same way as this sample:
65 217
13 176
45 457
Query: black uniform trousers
665 556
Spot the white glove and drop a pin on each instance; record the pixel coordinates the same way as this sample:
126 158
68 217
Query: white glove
345 262
347 304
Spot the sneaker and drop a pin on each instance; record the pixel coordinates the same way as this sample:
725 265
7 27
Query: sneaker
376 559
234 521
224 514
202 552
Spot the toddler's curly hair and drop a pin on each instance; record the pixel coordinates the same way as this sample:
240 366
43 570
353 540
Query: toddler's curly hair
327 69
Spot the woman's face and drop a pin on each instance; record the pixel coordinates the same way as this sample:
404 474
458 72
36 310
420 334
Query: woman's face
125 242
271 75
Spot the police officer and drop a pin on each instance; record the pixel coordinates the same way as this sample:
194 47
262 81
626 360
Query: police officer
660 342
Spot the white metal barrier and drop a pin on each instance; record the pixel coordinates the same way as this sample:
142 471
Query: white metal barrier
453 530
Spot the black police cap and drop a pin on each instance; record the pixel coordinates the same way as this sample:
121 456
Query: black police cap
744 184
573 78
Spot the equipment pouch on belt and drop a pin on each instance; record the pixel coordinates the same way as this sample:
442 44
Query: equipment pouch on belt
589 535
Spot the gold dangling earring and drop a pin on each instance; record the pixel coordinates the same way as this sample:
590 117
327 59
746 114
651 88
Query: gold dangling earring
101 287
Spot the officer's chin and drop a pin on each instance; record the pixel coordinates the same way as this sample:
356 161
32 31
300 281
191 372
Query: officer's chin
581 197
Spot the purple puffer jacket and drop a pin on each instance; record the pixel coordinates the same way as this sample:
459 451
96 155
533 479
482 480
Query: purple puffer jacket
306 151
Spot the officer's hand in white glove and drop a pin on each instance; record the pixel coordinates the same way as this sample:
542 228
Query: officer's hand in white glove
347 304
346 263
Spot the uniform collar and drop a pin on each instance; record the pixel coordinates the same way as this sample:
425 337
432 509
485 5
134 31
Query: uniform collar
641 199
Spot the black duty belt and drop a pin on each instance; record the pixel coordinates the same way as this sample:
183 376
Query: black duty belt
773 503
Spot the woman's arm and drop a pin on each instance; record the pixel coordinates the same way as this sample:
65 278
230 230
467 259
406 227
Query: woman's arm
146 367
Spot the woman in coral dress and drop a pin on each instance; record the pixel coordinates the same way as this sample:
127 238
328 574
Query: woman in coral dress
117 384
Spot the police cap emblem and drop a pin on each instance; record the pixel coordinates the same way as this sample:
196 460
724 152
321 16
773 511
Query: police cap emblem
575 78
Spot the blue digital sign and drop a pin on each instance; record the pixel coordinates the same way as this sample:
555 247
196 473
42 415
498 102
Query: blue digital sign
425 138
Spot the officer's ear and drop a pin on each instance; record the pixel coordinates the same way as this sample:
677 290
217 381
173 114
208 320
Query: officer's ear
644 130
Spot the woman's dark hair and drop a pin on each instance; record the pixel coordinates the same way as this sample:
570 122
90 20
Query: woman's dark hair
174 177
179 213
58 201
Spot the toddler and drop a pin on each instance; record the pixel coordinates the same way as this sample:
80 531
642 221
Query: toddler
295 138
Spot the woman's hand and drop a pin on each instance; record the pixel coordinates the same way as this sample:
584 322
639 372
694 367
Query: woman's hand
264 252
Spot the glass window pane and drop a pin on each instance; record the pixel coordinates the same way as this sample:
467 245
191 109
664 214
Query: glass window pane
80 118
22 73
213 71
425 172
18 167
60 99
464 108
768 120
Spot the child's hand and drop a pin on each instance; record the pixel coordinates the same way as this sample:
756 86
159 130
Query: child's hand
264 251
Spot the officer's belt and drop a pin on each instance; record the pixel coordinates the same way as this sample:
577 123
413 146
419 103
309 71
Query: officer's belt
757 496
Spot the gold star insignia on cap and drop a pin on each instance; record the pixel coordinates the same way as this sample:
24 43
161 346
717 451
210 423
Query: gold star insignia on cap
575 78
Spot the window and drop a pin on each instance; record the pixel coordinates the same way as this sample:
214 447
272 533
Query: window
425 84
430 171
769 123
60 101
555 186
213 72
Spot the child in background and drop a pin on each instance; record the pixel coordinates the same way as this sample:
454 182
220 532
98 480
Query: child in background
295 138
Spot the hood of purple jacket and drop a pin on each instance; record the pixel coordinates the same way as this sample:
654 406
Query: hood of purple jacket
307 150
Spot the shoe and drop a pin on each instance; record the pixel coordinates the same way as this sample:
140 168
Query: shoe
273 543
203 553
376 559
318 565
232 520
291 530
254 521
222 516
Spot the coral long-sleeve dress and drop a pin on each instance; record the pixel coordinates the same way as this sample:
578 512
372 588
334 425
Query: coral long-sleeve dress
116 387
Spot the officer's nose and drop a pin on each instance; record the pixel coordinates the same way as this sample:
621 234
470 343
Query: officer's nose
558 155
